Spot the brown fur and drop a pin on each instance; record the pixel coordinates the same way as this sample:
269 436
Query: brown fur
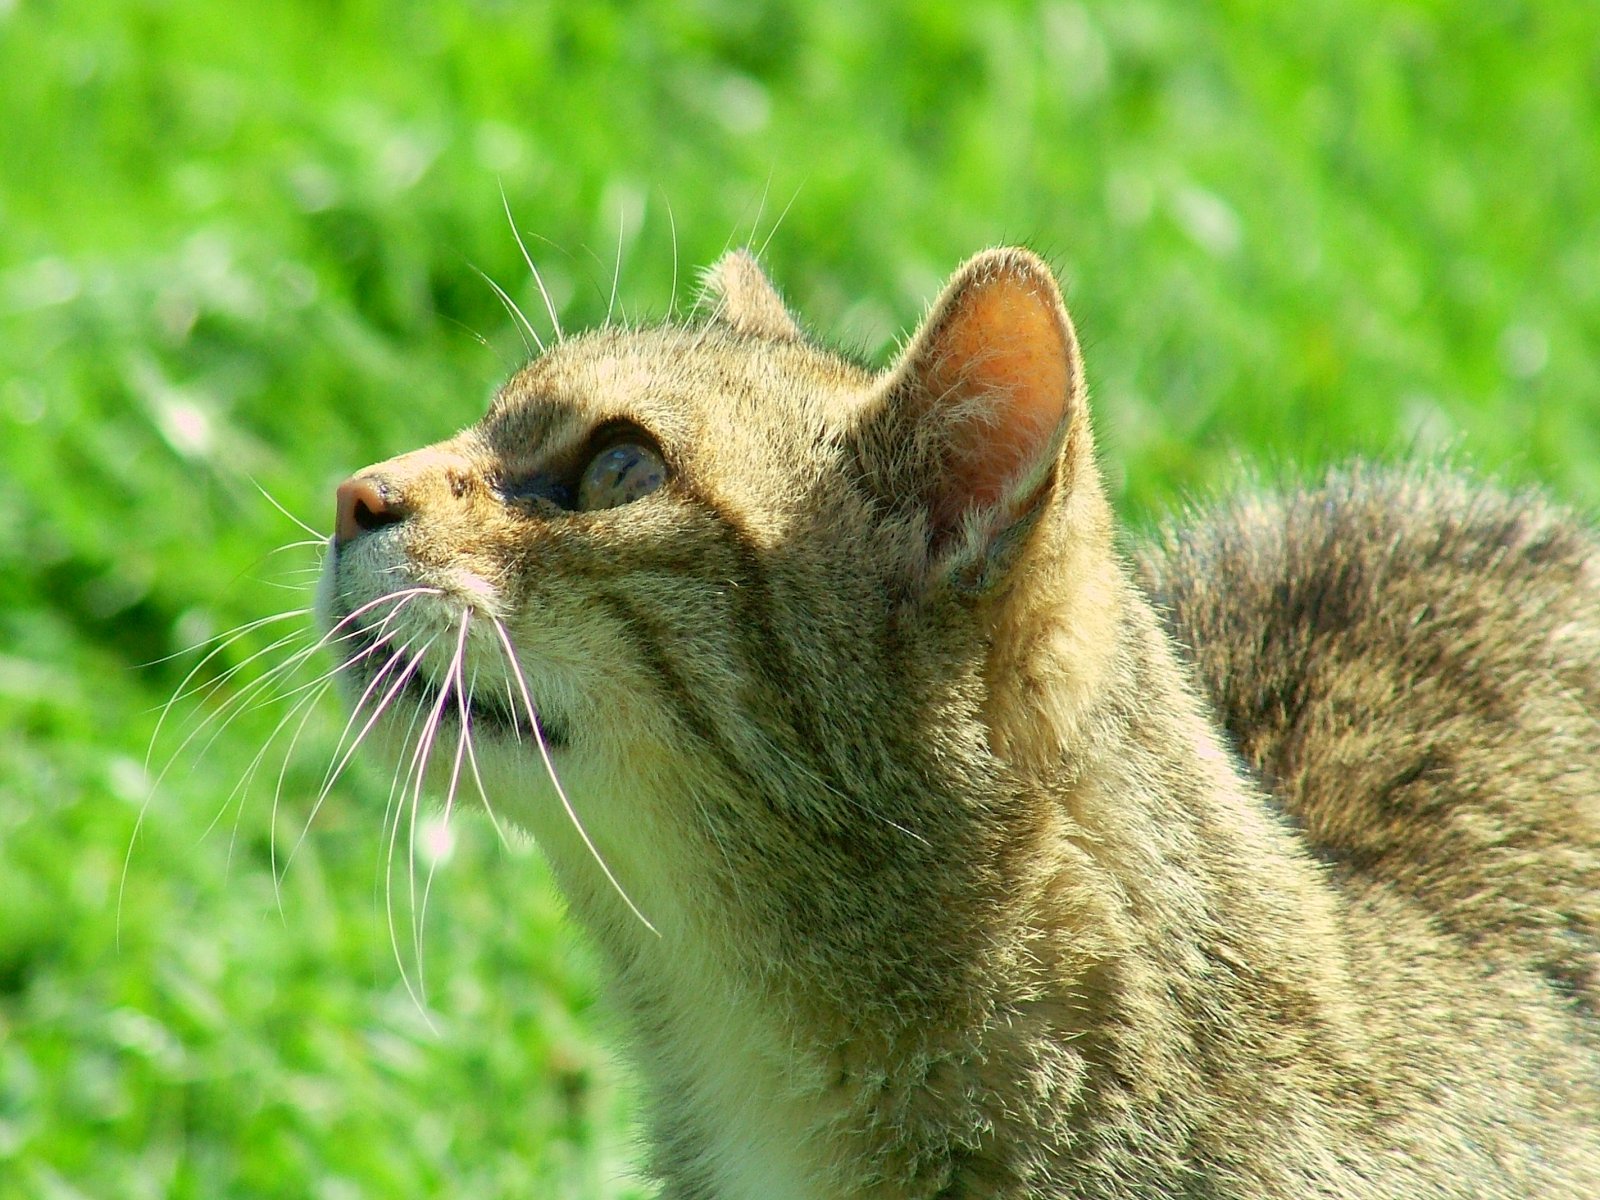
954 885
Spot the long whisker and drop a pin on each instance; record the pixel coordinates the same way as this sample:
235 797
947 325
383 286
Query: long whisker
241 788
516 315
766 191
396 806
761 207
234 707
616 270
211 686
315 688
321 538
382 638
303 568
144 807
477 777
453 677
231 635
245 700
342 629
555 321
771 233
319 542
672 223
308 703
317 680
414 784
550 770
238 704
337 763
333 774
223 641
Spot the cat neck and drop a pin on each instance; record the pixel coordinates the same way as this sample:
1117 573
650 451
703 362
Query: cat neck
979 973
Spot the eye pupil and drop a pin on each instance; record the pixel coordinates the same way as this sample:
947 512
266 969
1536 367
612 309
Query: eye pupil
619 475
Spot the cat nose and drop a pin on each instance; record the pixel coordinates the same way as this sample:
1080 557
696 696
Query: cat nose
364 503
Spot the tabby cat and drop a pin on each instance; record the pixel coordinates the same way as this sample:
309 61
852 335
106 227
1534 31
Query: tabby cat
936 849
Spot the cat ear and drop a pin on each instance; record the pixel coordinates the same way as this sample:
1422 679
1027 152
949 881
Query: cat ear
976 420
746 300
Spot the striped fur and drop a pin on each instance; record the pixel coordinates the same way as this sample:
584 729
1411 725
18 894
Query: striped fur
934 849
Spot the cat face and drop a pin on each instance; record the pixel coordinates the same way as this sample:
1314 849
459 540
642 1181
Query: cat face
698 604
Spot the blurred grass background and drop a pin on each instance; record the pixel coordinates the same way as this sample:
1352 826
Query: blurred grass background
240 244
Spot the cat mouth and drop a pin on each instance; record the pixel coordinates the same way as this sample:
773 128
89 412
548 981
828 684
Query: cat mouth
390 677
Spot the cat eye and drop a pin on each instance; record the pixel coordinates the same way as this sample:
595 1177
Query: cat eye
620 474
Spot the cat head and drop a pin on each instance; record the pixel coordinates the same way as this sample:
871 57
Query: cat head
761 611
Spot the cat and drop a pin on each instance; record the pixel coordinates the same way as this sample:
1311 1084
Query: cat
936 847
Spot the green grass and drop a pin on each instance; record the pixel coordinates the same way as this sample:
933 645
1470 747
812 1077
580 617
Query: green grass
241 244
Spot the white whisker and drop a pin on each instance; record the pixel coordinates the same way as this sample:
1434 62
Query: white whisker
550 770
555 321
477 779
211 686
248 697
382 639
672 224
223 641
767 241
319 542
241 787
616 269
472 756
515 312
332 775
455 676
414 783
761 208
321 538
396 805
511 707
236 705
308 702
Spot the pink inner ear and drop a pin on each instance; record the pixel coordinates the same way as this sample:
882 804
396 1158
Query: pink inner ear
1003 358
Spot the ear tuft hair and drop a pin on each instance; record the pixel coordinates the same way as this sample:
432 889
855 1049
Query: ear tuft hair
746 299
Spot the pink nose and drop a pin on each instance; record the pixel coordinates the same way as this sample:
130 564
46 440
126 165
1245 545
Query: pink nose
363 506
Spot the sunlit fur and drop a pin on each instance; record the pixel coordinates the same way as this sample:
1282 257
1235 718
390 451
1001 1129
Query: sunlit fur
917 858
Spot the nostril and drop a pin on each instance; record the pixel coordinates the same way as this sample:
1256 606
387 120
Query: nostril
364 504
370 518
